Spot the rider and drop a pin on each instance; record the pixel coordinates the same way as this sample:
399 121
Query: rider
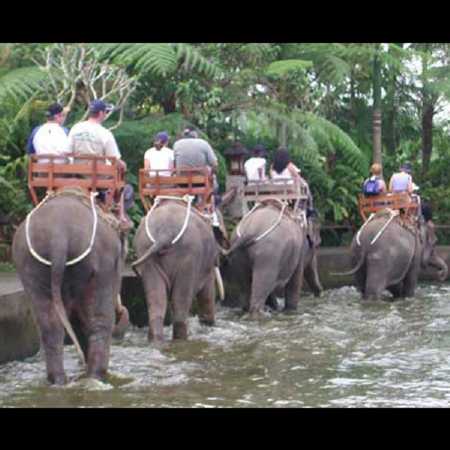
159 157
255 166
51 137
190 151
282 167
402 181
91 138
375 184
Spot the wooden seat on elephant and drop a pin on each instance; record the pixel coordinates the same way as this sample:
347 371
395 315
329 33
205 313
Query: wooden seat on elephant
396 201
182 181
281 189
48 173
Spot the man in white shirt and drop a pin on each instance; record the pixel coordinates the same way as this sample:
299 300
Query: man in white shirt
51 138
255 167
91 138
160 157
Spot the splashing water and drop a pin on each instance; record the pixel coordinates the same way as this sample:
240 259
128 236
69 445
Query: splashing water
336 351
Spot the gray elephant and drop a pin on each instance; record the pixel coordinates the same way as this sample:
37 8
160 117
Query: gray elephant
177 256
268 253
387 254
80 296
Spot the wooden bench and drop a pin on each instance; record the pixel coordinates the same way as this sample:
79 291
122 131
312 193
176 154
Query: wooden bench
281 189
375 203
90 173
180 182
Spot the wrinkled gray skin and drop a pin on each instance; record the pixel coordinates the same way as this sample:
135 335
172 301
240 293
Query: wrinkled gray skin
273 264
60 230
310 272
174 274
394 261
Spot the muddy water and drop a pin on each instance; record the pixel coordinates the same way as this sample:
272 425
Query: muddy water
334 352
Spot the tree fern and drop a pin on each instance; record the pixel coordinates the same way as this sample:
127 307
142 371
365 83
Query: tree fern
161 59
21 83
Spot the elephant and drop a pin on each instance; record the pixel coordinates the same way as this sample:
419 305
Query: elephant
310 271
268 255
69 287
177 261
387 254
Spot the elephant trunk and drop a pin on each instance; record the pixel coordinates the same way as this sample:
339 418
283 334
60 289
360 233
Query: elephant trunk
438 263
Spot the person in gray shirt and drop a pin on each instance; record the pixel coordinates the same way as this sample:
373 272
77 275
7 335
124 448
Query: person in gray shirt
190 151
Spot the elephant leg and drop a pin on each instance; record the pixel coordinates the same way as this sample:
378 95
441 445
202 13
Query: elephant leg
156 296
52 337
311 275
99 303
410 282
263 283
206 302
293 289
375 279
181 298
396 290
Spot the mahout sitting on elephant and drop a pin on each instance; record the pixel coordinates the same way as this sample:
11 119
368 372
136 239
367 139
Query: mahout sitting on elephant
69 256
390 250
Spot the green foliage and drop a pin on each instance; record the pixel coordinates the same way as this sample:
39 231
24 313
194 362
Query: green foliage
161 59
282 68
21 83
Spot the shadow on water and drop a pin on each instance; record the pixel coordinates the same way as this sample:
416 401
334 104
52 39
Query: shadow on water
335 351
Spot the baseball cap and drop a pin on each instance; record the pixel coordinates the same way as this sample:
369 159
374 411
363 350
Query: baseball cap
406 167
162 136
99 105
190 132
53 109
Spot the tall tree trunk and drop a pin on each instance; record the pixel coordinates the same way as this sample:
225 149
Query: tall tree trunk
283 134
376 118
169 104
427 136
352 100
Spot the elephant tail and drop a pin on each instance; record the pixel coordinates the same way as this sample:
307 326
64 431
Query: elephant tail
153 250
57 274
242 242
354 270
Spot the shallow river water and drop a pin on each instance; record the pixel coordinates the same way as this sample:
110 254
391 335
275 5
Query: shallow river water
334 352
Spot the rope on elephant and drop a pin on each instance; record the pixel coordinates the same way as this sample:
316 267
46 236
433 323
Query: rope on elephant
75 260
394 213
362 227
187 199
273 226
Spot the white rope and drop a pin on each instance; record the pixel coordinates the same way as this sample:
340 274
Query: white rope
362 227
238 229
273 225
73 261
393 215
187 199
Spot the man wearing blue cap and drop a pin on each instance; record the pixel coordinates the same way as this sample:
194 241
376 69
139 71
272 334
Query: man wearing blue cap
90 137
50 138
159 157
